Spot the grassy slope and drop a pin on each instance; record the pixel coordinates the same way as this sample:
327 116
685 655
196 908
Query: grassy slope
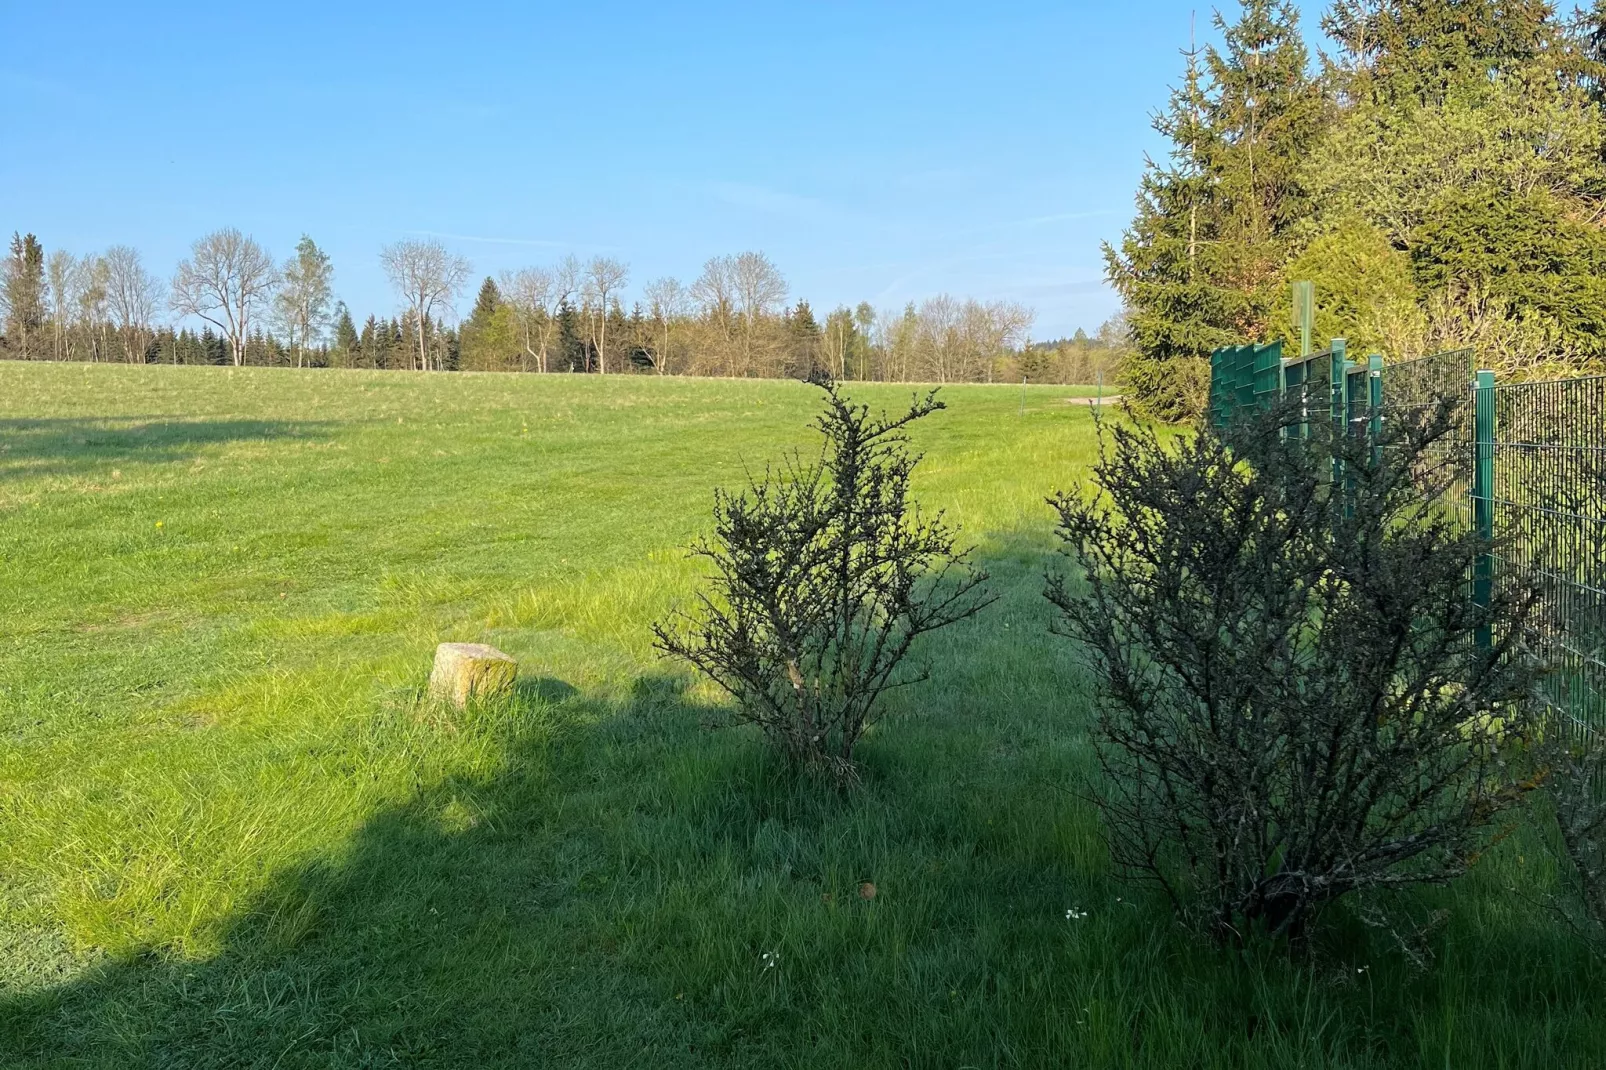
229 837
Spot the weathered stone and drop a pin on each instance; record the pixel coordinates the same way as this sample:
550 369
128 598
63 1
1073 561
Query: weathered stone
463 670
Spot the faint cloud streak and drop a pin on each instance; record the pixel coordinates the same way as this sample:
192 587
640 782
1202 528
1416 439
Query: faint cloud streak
540 243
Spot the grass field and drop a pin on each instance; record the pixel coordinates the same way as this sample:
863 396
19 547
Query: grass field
231 835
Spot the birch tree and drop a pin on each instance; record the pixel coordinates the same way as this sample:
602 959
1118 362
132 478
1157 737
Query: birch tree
90 296
666 302
527 292
60 272
226 280
603 276
428 277
760 288
303 300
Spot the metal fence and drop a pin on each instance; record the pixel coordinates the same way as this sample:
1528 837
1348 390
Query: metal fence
1528 462
1546 480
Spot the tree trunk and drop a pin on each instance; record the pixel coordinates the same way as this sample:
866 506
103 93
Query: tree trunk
423 356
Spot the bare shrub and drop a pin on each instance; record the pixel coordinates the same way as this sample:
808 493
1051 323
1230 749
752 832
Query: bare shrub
1294 704
824 575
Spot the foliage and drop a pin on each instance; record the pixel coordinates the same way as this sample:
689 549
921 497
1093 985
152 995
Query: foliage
1365 292
1169 269
825 574
1293 703
302 303
1466 134
1519 257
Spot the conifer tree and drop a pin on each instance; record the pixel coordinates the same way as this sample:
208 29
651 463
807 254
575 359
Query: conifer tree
1169 267
486 304
24 293
347 344
1469 140
1265 113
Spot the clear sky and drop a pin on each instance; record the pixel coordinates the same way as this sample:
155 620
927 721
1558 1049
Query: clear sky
882 152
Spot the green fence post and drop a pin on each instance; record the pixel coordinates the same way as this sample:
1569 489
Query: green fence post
1304 293
1340 385
1246 378
1374 402
1217 380
1483 491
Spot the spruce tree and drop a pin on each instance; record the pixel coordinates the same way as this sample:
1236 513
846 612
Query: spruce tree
1265 113
486 304
1425 52
1169 268
24 294
346 345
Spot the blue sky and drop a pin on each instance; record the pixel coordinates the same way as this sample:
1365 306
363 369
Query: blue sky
882 152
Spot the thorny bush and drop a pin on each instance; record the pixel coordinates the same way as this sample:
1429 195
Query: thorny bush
1293 702
824 576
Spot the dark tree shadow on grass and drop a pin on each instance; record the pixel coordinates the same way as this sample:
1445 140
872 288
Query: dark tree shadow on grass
46 446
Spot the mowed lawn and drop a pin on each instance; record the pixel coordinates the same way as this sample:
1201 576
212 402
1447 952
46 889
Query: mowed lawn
231 834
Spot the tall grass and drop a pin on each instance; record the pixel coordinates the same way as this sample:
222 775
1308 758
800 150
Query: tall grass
230 835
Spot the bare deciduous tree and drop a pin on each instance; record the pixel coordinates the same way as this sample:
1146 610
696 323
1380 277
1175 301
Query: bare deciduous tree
89 292
537 297
428 276
667 300
527 292
937 337
759 289
715 291
604 276
225 280
987 331
303 301
132 295
60 272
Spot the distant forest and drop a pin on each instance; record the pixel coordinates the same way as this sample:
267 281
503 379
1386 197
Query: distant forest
229 302
1439 174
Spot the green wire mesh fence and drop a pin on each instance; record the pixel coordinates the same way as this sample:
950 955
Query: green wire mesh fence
1528 462
1547 504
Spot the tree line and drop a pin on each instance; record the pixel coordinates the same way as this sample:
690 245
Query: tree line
1440 176
230 302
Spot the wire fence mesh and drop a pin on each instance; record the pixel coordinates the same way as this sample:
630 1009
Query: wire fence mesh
1548 503
1526 461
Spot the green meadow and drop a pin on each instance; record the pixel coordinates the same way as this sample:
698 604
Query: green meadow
232 833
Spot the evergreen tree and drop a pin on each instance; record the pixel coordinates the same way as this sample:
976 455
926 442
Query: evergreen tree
1265 113
803 340
486 304
573 353
1403 53
24 294
1468 136
1170 267
489 339
347 344
368 344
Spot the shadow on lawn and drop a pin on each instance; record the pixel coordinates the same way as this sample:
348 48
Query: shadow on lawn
527 919
67 445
